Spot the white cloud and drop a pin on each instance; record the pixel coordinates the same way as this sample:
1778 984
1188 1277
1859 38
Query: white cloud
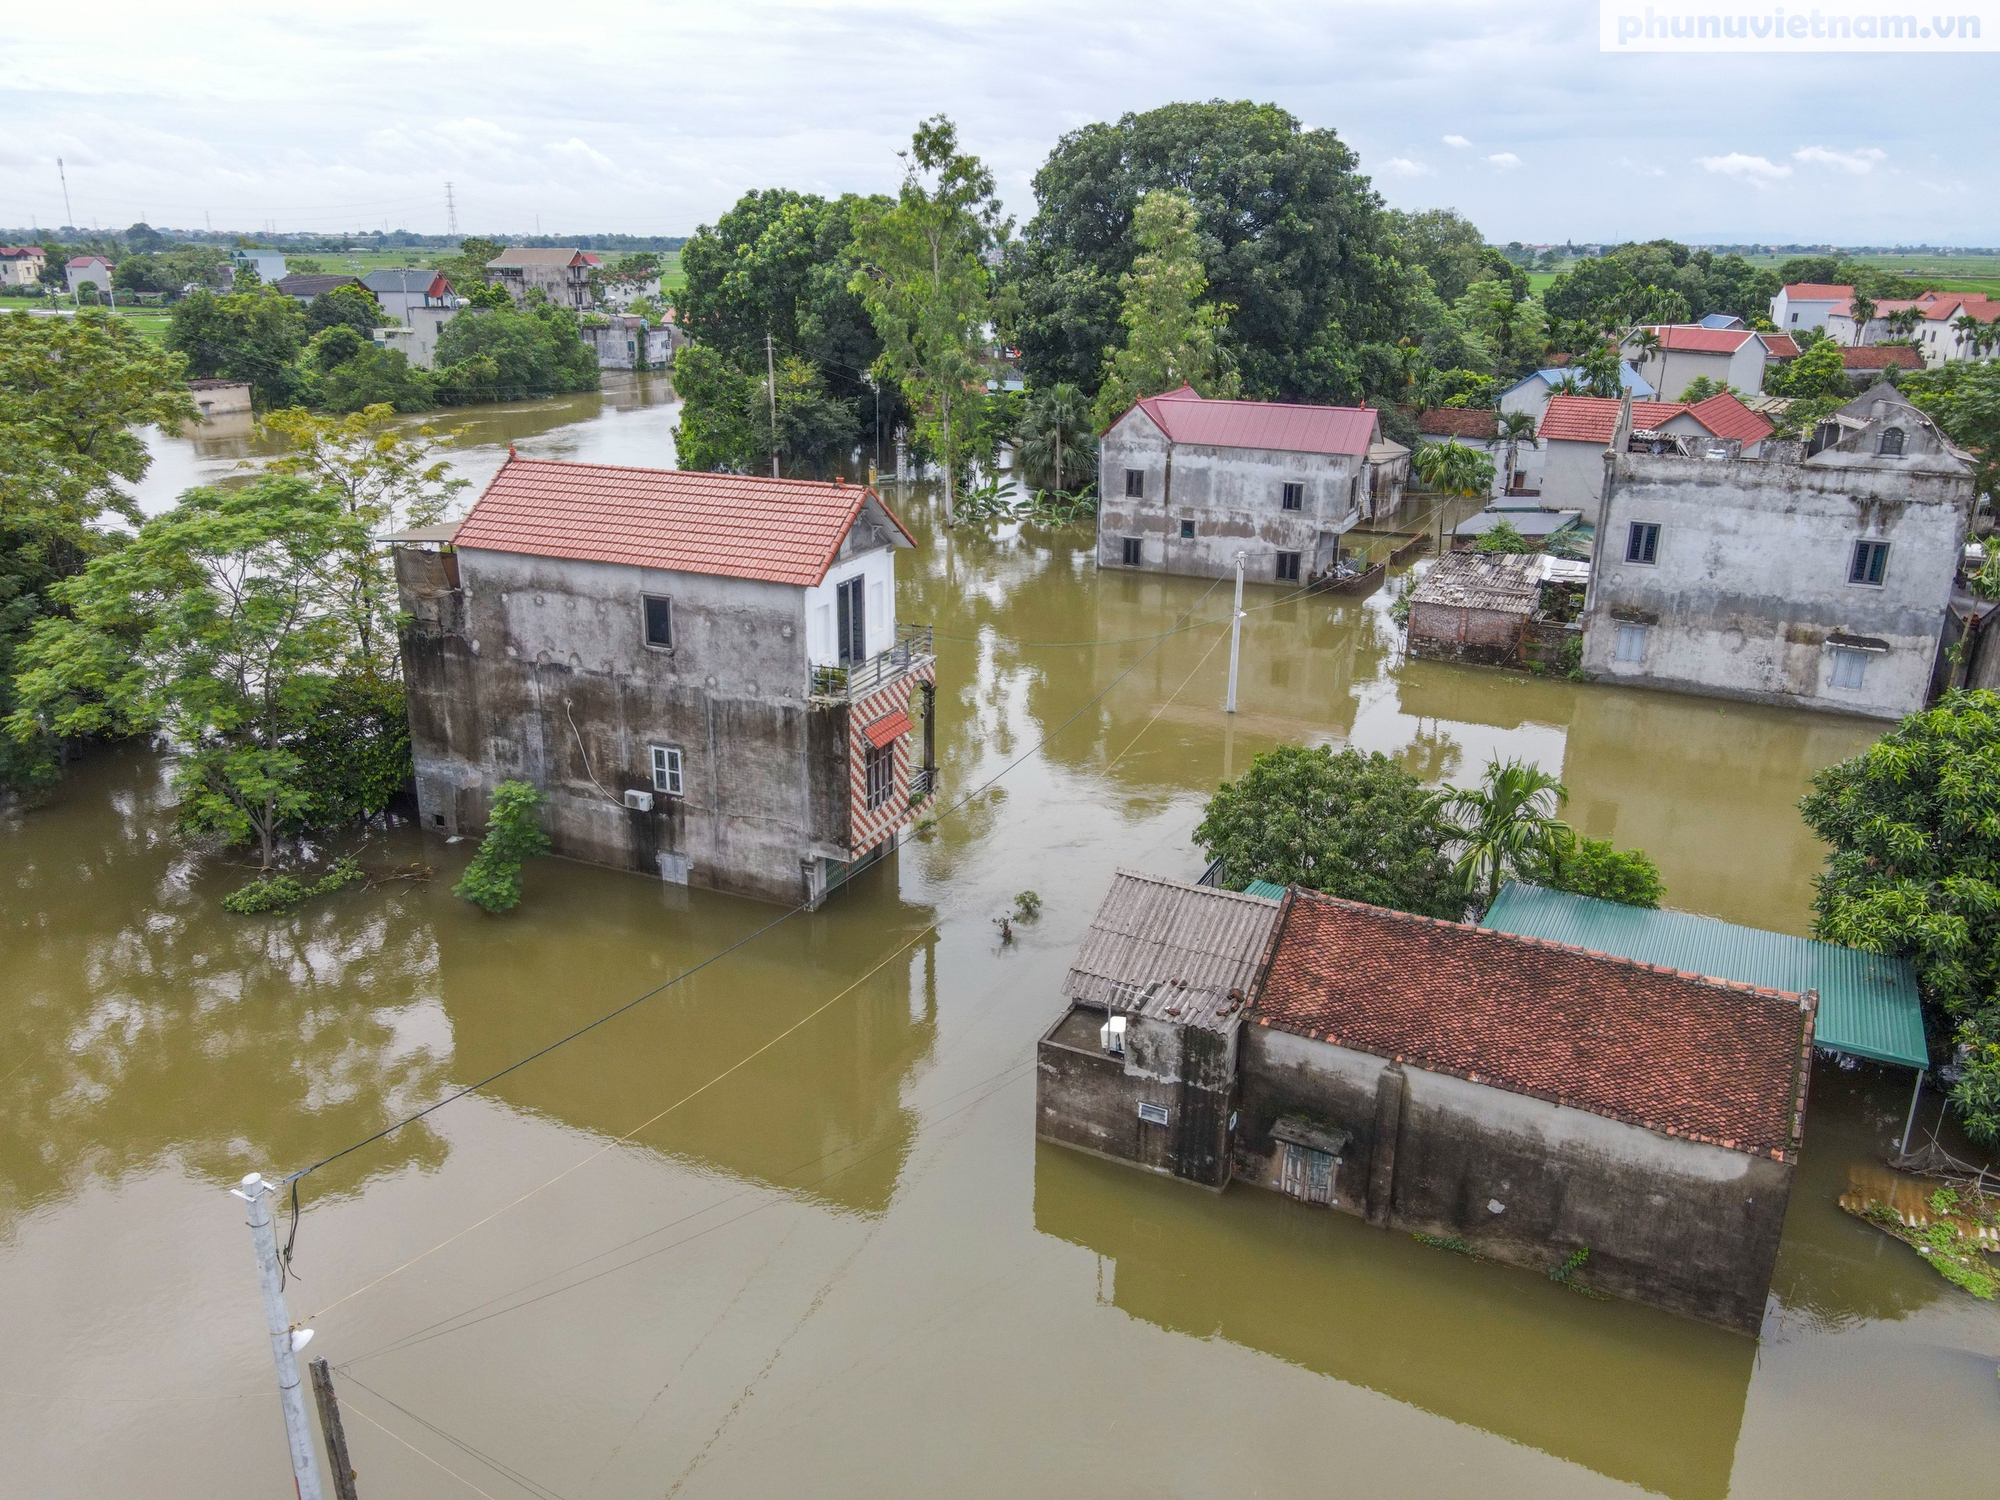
1859 162
1456 140
1759 171
1504 159
1403 166
1640 169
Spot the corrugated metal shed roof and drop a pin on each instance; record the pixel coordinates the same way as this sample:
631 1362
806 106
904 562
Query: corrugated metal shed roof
1265 889
1198 941
1507 582
1867 1003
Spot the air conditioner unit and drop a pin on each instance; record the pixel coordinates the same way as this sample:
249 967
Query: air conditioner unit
639 801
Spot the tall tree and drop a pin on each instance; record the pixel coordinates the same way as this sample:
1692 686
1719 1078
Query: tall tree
1451 468
219 625
253 336
924 281
1293 238
1506 825
1057 443
1172 337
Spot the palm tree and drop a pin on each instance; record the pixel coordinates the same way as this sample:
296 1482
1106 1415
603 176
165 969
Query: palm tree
1862 310
1453 469
1645 344
1056 434
1968 329
1506 824
1904 320
1600 368
1514 426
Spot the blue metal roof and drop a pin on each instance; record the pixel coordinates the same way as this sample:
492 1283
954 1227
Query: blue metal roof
1867 1003
1630 378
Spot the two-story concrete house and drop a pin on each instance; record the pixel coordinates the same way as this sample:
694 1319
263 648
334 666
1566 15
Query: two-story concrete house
1681 353
1805 304
562 275
1185 483
21 265
92 271
1821 581
703 672
421 302
1575 430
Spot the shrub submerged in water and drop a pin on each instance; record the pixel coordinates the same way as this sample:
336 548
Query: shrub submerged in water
513 836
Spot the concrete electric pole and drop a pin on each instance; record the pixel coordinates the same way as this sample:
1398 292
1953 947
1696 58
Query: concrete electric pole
285 1344
771 375
1235 636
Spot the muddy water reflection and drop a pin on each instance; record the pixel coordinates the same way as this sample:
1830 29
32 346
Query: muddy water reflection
844 1268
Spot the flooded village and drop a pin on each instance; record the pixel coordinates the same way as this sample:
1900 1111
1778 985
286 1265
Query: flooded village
884 849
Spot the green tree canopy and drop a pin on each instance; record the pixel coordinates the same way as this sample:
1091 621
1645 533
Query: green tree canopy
726 422
1351 824
1817 371
1293 239
1453 253
345 307
1504 539
1963 398
533 347
1913 869
1057 442
1172 338
513 836
1593 867
254 336
1506 825
1451 468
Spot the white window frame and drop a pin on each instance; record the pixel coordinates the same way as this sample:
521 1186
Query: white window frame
1628 634
669 768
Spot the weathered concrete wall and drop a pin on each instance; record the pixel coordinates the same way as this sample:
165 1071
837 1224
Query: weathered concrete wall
1673 1223
537 670
1445 632
1573 477
1233 496
1751 579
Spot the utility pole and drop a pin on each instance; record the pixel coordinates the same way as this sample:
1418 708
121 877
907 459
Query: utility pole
285 1344
68 212
1235 636
450 212
771 376
335 1434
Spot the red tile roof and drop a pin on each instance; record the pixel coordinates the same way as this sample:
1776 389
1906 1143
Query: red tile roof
1727 417
1817 291
776 530
1694 339
1780 345
1188 418
1458 422
1702 1059
1592 419
1882 357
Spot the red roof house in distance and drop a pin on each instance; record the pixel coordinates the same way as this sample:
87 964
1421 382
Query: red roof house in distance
1510 1091
1671 356
1575 430
642 643
1185 483
21 265
563 276
1805 304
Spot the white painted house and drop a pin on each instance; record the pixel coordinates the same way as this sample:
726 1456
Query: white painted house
1805 304
1576 431
1682 353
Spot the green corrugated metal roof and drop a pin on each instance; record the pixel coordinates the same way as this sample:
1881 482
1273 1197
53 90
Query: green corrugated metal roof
1265 889
1867 1003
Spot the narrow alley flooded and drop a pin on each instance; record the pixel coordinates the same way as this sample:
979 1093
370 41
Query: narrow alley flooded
783 1227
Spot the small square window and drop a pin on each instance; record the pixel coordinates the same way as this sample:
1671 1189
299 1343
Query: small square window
1631 644
659 622
1135 484
1871 560
1295 497
1135 552
667 769
1288 567
1642 542
1849 667
1187 531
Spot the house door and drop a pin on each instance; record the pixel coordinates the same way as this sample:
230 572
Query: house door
853 643
1307 1174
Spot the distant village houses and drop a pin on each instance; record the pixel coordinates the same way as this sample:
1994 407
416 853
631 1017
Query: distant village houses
1941 326
1681 353
421 302
703 672
304 286
1187 483
22 265
92 271
563 276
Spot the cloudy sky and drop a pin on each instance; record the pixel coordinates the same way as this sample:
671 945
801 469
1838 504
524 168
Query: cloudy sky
650 118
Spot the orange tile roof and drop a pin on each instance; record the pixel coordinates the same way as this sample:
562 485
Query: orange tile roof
1817 291
1592 419
1727 417
1704 1059
1882 357
1780 345
1694 339
733 526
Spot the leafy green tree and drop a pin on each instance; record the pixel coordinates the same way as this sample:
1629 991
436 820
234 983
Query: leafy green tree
381 476
254 336
1703 386
1516 427
1172 337
726 416
373 376
1504 825
1514 325
1293 240
1057 441
533 347
345 307
1817 371
1454 253
1963 398
1593 867
923 279
1351 824
74 393
1602 370
1913 869
1451 468
353 749
466 271
218 626
169 271
513 836
1504 539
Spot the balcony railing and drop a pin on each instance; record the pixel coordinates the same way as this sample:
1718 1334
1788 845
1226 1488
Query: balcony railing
855 680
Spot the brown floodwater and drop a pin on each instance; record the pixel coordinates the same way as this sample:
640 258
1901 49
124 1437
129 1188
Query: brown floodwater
784 1227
